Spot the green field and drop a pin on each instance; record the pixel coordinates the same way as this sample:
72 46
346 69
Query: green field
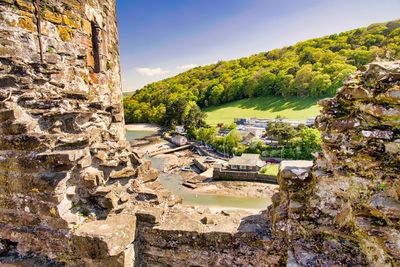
271 169
295 108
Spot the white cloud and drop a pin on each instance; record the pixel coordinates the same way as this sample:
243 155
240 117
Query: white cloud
151 72
186 67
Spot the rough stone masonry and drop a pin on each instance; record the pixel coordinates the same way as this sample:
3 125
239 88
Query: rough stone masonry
344 209
70 185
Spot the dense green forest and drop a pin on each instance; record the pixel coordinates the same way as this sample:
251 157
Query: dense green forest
313 68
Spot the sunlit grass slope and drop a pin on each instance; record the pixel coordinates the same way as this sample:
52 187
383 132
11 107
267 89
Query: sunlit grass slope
264 107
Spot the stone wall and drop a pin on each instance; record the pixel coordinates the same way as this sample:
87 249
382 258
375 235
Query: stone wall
196 237
220 174
345 208
65 169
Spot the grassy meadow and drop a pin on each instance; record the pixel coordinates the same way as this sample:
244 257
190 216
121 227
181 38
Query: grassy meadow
268 107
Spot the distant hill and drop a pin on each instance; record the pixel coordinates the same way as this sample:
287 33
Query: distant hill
312 68
124 94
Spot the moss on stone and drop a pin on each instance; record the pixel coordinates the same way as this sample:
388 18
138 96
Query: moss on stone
65 33
26 23
25 5
52 16
71 21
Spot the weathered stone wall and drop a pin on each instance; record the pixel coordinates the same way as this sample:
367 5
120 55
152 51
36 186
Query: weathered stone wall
65 168
221 174
215 241
345 208
191 248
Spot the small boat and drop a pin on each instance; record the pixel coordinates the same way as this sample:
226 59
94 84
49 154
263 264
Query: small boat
186 169
209 159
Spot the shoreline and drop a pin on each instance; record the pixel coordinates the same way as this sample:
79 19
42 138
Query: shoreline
253 211
142 127
216 195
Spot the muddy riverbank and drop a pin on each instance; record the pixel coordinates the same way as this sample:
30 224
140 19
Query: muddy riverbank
173 164
180 176
140 130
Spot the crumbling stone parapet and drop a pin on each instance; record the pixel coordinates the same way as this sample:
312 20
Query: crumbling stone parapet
347 211
66 172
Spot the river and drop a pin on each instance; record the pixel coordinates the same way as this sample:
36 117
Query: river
173 183
132 135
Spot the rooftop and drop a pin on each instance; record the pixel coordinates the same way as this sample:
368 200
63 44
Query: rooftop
247 160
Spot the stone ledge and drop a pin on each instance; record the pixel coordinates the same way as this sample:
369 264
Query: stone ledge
102 239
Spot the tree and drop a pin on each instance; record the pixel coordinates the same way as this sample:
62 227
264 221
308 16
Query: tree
319 85
282 131
194 117
267 84
257 147
207 135
361 56
216 94
234 90
311 138
175 112
303 79
231 141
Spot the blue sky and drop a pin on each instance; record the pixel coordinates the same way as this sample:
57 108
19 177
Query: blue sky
160 38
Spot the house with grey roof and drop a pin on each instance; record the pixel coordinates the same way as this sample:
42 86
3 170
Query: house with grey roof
246 162
247 167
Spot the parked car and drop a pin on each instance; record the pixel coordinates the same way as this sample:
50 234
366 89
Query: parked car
272 161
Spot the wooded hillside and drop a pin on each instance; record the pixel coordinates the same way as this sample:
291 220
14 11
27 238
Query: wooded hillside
315 68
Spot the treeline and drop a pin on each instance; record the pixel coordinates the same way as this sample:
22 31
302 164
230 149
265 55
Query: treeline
315 68
293 142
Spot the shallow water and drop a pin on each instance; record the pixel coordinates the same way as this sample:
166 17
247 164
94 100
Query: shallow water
174 184
132 135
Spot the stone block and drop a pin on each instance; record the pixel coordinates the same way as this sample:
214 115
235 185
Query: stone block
108 201
92 177
21 142
393 147
70 21
146 173
63 158
7 114
355 93
125 173
295 169
104 238
52 17
25 5
8 1
391 96
388 115
87 27
387 205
